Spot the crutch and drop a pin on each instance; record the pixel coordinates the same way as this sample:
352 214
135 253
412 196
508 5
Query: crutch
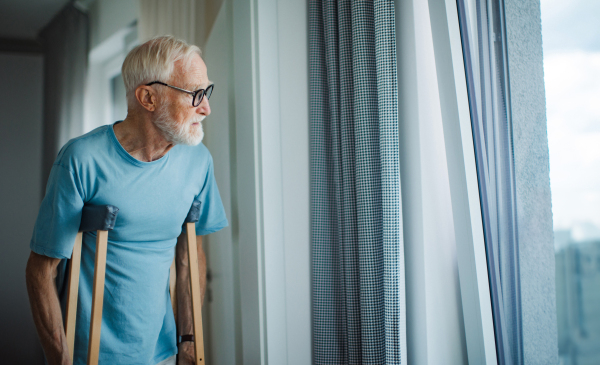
99 218
102 219
190 235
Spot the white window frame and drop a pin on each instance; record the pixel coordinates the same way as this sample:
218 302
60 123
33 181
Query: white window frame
464 190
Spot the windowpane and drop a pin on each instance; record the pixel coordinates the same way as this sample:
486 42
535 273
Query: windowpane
571 70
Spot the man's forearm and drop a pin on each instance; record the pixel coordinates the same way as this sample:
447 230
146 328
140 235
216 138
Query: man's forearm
45 308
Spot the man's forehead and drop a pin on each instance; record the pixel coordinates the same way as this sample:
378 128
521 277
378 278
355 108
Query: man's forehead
193 74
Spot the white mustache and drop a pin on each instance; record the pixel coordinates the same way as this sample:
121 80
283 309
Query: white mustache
198 119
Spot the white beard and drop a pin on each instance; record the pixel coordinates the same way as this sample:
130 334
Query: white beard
185 133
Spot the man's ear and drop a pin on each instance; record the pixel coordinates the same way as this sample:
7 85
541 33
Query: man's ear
146 96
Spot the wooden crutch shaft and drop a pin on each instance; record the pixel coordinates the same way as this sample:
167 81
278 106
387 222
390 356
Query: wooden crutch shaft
72 294
195 292
97 298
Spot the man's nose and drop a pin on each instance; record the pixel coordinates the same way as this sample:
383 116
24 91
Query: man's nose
204 107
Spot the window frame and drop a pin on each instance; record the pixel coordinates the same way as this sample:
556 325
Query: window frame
464 189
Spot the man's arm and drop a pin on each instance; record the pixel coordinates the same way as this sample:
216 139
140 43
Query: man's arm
184 299
40 276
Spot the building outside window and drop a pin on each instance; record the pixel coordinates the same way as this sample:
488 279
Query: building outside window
571 44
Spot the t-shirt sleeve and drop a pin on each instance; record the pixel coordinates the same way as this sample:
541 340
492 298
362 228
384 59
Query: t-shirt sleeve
59 217
212 213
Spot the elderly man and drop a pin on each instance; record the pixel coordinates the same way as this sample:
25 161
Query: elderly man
152 167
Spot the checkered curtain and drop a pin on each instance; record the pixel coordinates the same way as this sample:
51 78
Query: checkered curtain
357 248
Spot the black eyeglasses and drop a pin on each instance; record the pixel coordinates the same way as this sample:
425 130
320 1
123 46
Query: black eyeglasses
197 95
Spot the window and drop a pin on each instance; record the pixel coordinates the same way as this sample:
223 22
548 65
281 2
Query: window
105 101
572 71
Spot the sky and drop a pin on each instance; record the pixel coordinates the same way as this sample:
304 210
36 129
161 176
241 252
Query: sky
571 41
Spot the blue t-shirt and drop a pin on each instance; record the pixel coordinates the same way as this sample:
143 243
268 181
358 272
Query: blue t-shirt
153 198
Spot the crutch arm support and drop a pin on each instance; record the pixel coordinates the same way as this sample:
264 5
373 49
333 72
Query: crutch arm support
194 213
98 218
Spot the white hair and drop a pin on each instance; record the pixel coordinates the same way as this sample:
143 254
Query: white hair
154 61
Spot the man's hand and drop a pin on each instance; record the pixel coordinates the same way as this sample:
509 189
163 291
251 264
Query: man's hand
186 354
40 276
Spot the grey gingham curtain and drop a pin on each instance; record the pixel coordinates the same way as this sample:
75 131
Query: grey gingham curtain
357 248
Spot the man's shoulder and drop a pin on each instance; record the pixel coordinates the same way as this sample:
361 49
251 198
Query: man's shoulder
81 148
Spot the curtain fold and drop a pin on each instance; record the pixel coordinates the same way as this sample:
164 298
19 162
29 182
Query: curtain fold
357 248
190 20
65 44
177 18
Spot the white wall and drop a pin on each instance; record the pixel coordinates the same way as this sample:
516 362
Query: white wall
222 305
282 54
435 331
258 135
293 102
20 196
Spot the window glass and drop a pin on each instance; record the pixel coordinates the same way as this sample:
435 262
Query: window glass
571 41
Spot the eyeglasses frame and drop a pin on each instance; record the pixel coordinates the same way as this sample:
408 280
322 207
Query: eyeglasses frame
202 92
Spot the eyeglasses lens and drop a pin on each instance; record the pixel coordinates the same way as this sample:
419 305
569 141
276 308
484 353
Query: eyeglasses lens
199 96
209 91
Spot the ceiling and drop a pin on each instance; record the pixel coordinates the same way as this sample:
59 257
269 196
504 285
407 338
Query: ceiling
23 19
